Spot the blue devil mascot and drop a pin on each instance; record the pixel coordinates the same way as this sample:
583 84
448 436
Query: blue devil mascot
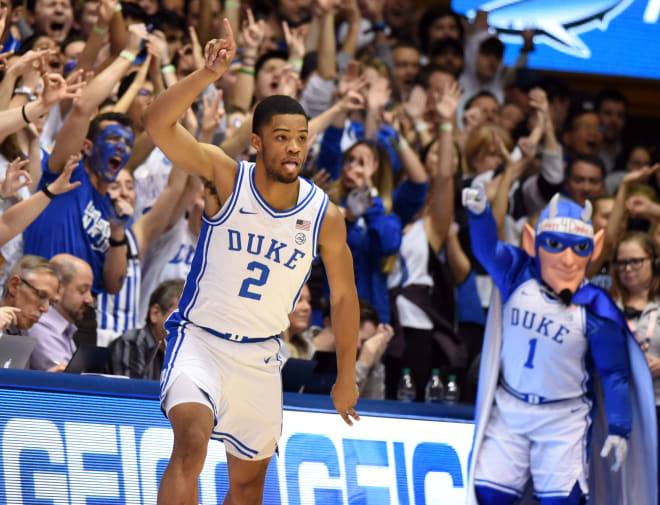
565 407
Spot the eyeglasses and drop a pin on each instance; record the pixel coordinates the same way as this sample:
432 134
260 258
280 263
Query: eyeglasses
634 263
42 295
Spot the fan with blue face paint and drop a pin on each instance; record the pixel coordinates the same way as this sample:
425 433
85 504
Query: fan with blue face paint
111 150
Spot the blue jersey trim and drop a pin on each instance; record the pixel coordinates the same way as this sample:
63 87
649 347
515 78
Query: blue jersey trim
318 223
170 357
239 339
276 213
499 487
552 494
196 271
222 439
295 299
221 216
237 441
210 399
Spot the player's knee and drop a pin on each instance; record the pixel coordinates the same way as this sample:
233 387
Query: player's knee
190 446
247 491
489 496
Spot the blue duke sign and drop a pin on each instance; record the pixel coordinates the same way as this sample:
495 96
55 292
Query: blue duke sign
61 448
618 37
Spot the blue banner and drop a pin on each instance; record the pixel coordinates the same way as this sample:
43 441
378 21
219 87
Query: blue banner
86 447
614 37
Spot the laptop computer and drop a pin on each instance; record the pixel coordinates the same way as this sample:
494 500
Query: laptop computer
89 359
15 350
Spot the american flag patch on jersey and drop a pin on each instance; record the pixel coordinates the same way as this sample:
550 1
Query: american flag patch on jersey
302 224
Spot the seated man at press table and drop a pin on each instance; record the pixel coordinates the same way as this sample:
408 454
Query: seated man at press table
32 287
54 331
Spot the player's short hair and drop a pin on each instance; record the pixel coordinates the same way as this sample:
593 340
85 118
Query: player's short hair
273 106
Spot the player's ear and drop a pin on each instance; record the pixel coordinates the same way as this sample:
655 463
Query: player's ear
599 241
255 140
528 239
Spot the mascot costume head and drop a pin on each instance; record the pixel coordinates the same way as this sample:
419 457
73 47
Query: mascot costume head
562 245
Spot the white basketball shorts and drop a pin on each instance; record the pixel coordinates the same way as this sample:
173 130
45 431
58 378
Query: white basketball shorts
239 382
548 442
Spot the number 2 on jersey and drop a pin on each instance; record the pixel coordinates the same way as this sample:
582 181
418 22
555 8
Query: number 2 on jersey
530 357
254 281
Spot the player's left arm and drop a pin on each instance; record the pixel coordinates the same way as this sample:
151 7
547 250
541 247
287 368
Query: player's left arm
344 309
607 343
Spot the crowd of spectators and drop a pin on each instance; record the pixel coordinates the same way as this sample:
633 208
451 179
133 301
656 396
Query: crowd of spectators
407 106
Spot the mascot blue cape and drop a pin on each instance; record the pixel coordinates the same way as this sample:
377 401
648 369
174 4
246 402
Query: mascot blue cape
636 482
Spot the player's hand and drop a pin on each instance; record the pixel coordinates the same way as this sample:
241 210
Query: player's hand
620 447
345 395
475 199
219 53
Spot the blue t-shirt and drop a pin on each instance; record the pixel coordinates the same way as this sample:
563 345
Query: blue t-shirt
75 222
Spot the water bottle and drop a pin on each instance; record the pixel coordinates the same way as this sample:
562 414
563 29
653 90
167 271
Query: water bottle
451 396
406 391
435 389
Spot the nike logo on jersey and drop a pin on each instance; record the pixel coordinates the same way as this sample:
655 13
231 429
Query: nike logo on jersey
267 360
243 211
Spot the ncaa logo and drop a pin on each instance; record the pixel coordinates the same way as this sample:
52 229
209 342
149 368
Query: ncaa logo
300 238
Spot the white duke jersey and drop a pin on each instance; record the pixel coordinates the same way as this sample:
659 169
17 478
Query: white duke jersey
544 344
251 261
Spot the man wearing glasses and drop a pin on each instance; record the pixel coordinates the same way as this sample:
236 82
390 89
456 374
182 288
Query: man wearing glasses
54 331
32 286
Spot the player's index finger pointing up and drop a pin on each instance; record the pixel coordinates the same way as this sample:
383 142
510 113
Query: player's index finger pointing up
229 34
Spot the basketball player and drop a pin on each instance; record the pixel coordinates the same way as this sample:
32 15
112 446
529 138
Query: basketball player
546 339
221 376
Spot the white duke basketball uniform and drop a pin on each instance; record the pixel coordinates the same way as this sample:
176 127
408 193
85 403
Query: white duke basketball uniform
543 363
249 267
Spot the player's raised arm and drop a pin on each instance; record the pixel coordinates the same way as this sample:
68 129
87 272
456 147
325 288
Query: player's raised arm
161 117
344 309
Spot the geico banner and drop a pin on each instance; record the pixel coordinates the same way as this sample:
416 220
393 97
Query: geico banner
84 449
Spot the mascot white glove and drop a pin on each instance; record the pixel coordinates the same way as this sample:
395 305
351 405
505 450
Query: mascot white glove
475 199
620 447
